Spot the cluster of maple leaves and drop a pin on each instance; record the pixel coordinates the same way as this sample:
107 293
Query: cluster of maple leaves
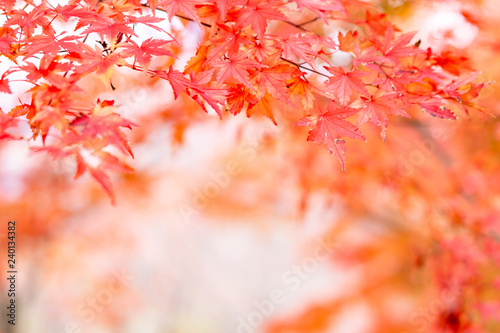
242 65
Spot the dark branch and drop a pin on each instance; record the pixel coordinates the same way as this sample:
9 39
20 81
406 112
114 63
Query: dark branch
303 67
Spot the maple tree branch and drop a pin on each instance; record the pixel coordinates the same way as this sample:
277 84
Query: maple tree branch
188 19
300 26
303 67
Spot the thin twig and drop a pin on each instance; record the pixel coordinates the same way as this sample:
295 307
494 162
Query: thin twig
187 18
300 26
303 67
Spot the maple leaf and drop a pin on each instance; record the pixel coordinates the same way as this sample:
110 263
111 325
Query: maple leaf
300 45
197 62
103 122
178 81
273 80
240 98
149 21
47 117
235 67
394 48
263 107
92 60
397 79
7 40
187 7
434 107
144 53
72 10
152 4
256 14
299 86
457 88
228 40
266 50
28 22
7 5
322 8
105 27
223 6
343 83
349 41
49 44
48 69
329 127
450 62
195 86
378 107
200 91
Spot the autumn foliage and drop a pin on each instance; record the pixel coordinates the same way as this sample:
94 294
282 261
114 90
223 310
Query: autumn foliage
255 55
326 71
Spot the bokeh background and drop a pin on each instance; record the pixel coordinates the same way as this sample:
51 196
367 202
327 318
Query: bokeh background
242 226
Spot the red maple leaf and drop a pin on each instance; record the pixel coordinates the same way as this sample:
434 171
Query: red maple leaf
434 107
343 83
273 80
73 10
240 99
256 14
187 7
49 44
235 67
265 50
178 81
300 45
144 53
148 20
7 4
201 91
378 107
329 127
103 123
106 27
48 69
28 22
92 59
228 39
299 86
394 48
322 8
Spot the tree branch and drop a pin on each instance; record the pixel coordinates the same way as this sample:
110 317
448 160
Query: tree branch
303 67
300 26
